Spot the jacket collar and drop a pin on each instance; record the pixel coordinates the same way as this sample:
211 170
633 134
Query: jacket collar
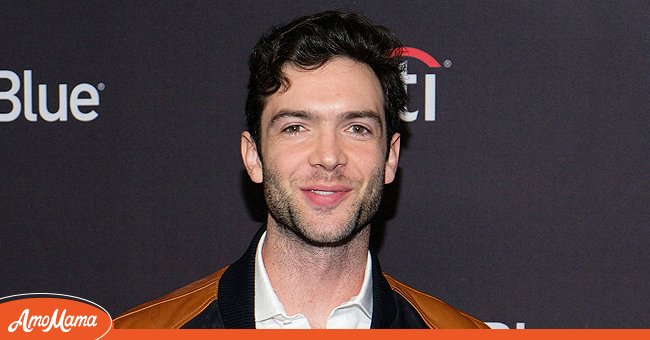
236 294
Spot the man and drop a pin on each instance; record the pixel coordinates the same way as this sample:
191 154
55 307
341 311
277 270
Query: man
325 94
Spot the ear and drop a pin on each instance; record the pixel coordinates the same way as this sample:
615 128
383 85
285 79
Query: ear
392 159
250 157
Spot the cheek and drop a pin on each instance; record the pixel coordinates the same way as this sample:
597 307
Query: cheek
367 162
284 161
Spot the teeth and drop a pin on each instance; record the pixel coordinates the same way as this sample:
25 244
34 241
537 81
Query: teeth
321 192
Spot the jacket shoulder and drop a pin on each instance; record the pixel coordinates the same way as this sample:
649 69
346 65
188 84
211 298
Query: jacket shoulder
174 309
434 312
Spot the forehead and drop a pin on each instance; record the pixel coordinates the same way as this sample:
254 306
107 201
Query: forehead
340 85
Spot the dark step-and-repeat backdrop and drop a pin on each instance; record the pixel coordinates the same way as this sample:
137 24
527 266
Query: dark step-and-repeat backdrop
522 194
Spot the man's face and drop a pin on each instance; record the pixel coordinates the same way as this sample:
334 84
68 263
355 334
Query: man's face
324 151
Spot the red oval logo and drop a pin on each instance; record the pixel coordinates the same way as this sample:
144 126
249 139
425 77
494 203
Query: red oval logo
52 316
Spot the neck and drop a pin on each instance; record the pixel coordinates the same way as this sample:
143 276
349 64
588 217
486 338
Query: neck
314 280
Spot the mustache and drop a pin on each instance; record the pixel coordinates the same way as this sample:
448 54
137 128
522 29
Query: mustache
328 176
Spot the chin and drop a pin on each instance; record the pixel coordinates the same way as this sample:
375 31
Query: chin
327 236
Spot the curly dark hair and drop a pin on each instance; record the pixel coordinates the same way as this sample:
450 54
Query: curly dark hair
312 40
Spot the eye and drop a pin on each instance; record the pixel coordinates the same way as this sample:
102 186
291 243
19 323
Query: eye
359 130
293 129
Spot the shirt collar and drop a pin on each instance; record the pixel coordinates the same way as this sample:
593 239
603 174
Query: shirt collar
268 305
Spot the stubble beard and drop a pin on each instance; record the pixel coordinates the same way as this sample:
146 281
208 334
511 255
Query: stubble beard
284 208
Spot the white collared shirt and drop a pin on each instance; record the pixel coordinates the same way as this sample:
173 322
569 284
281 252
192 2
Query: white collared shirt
270 313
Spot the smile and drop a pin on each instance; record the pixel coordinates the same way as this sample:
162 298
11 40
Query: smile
322 192
328 197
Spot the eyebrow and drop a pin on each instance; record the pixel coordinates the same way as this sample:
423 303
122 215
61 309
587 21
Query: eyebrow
372 115
292 114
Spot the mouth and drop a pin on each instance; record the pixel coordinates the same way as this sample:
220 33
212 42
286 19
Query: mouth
323 192
325 197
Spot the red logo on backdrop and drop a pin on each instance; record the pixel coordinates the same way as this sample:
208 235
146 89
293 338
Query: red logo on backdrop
429 83
52 316
421 56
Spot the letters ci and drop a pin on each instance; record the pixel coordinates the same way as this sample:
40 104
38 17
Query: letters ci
82 95
429 95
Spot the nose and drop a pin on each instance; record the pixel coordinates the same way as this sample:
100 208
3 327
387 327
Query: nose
328 152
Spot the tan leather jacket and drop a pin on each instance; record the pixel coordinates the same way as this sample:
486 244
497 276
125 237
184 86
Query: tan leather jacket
225 299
